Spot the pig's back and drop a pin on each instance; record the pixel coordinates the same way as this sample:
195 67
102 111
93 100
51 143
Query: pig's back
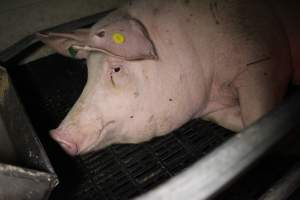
221 34
288 12
217 41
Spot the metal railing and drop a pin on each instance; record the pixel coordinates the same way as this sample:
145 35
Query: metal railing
214 172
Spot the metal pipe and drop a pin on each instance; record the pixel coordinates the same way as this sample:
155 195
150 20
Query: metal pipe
26 42
211 174
282 189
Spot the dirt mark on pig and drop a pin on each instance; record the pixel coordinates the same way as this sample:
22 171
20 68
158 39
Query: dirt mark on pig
181 77
150 119
155 11
136 94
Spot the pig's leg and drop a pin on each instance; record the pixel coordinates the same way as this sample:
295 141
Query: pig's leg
227 117
261 87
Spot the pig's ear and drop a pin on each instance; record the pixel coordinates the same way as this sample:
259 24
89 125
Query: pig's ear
66 43
126 38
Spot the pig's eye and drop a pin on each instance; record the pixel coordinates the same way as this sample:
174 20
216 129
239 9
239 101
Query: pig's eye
118 75
101 34
117 69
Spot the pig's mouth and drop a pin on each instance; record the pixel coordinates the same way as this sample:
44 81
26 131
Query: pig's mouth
83 146
70 148
97 141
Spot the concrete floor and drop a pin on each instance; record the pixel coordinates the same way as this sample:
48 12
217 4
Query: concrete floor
20 18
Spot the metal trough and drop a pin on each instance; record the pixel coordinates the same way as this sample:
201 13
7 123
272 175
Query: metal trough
25 171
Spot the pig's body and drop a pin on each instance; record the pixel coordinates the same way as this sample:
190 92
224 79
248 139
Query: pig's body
224 61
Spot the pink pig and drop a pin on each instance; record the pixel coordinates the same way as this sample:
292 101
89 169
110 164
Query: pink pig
154 65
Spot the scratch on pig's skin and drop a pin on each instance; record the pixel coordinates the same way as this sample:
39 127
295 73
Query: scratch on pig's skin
214 9
259 61
105 125
244 70
150 119
112 81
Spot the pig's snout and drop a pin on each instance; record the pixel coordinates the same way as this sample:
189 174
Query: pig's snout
69 146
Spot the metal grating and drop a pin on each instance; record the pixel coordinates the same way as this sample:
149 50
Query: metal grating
124 171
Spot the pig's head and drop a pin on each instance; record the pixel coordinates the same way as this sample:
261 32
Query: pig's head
130 95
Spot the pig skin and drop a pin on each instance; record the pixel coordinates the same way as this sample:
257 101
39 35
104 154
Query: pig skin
224 61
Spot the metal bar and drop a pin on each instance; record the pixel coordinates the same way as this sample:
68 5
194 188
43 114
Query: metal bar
36 176
29 149
282 189
20 183
26 42
21 146
209 175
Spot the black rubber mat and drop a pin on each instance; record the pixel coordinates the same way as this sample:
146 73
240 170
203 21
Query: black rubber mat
49 87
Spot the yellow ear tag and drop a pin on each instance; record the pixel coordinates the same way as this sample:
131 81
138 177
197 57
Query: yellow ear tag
118 38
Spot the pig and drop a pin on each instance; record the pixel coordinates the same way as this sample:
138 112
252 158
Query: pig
154 65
